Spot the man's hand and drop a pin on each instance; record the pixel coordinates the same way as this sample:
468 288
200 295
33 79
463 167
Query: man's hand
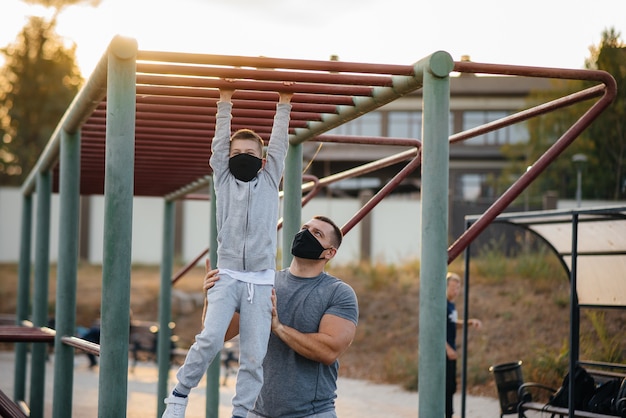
210 277
275 321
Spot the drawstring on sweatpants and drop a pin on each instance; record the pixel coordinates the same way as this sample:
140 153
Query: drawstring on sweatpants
250 292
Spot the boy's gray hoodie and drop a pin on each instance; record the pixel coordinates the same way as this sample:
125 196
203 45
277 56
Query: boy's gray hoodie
247 212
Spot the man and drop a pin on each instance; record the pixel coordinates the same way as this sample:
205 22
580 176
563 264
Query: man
314 319
453 322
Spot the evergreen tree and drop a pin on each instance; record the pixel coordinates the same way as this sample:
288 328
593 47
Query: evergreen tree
37 83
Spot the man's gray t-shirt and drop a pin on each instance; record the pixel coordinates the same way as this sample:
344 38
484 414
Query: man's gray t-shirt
293 385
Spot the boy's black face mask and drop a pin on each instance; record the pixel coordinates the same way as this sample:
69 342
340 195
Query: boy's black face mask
305 245
244 166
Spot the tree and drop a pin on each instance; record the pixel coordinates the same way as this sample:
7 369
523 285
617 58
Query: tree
608 132
59 5
603 142
39 80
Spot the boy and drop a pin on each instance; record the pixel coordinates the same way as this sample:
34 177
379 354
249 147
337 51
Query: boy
246 187
453 288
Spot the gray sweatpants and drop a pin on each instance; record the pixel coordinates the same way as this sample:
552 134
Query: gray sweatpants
254 304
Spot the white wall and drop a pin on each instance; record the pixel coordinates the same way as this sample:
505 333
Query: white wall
195 228
147 234
11 224
395 228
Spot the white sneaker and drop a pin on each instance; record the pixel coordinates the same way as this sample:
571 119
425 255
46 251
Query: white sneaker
175 407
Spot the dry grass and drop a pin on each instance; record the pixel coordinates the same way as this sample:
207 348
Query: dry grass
524 318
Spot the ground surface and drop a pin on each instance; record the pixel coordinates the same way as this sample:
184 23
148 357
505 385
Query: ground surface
523 319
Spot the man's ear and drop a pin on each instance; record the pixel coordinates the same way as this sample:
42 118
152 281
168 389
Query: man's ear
263 161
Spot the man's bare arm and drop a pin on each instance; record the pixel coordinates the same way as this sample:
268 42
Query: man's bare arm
333 337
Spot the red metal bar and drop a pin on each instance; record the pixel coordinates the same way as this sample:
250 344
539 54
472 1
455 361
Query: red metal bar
365 168
610 91
189 266
210 112
308 196
264 75
337 89
527 71
529 113
267 62
242 101
415 162
265 96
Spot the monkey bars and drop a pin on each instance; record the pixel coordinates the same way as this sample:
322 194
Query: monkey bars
142 126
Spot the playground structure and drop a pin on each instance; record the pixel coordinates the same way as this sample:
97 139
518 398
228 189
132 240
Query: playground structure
142 125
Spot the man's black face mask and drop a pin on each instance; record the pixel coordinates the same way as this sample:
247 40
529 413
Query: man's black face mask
305 245
244 166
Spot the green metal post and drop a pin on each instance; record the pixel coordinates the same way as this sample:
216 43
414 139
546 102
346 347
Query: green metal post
435 153
40 297
292 203
67 271
213 371
118 212
23 296
165 303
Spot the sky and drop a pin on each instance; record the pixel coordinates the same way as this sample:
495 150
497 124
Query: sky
544 33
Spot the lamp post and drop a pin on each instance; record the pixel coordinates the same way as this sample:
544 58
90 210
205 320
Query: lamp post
579 161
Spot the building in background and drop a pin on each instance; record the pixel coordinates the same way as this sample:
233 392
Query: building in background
391 233
474 101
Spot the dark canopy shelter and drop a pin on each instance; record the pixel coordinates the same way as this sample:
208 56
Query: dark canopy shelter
591 246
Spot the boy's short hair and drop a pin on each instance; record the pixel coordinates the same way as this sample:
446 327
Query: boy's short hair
250 135
453 276
338 234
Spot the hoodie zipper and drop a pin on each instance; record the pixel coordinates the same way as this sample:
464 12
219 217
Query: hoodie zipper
245 235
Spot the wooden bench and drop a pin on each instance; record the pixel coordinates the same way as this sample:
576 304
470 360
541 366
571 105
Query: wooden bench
557 411
144 341
26 333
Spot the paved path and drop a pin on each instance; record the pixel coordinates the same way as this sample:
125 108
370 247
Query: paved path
356 398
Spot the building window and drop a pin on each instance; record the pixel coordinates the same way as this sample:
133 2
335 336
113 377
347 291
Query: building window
369 124
507 135
408 124
473 187
405 125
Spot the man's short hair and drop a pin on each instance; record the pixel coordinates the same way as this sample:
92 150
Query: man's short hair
250 135
338 235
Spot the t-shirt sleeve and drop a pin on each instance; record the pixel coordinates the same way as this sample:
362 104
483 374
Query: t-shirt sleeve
344 303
